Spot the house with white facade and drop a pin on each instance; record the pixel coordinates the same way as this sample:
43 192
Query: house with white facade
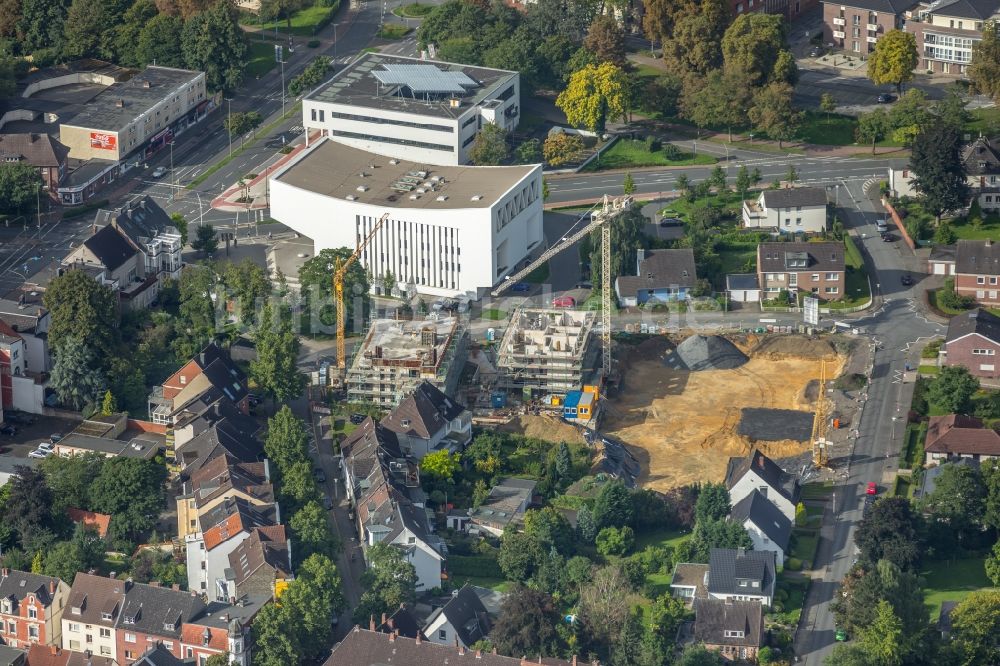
981 159
427 420
787 210
769 529
463 620
19 388
757 472
737 574
30 320
420 110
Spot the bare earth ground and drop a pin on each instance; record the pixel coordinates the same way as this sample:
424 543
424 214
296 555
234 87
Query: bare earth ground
683 424
544 426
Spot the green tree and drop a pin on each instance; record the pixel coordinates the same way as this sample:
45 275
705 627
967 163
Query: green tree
287 440
109 406
990 471
562 148
791 175
890 531
717 178
953 389
945 235
131 490
87 30
753 46
480 492
67 558
298 486
28 506
389 581
628 184
529 152
70 478
20 184
873 126
718 534
894 59
126 35
594 94
249 283
205 240
992 565
613 506
742 181
196 322
712 504
275 369
526 624
74 379
695 45
698 655
549 529
606 40
626 237
718 99
614 541
520 554
586 526
959 500
984 69
316 284
311 529
41 27
180 223
939 174
975 624
441 465
218 660
310 77
564 461
773 114
827 104
82 308
214 43
491 146
881 639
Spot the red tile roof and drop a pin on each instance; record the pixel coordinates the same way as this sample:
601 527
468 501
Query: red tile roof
958 434
91 520
194 635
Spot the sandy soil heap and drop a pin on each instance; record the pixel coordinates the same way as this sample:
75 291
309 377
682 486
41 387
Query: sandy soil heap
707 352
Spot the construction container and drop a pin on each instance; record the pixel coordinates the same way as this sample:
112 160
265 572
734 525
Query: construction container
498 399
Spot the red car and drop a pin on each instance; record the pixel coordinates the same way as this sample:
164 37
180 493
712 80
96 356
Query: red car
872 488
564 302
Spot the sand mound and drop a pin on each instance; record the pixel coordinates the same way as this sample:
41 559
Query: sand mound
782 346
544 426
706 352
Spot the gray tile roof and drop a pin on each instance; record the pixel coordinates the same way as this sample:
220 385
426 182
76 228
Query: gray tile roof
729 566
39 150
659 269
10 656
781 481
943 253
979 321
15 585
159 611
715 617
466 614
159 656
140 220
790 197
110 247
980 157
423 413
977 257
757 509
777 257
95 596
882 6
741 281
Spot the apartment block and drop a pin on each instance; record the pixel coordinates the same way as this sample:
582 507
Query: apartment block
547 351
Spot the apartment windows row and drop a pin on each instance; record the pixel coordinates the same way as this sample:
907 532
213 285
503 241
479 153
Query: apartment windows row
386 121
981 279
984 352
394 140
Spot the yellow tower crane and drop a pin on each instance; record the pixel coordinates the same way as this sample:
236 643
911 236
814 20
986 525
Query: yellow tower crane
340 271
821 447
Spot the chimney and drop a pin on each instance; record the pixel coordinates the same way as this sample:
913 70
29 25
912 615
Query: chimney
52 587
417 639
461 650
383 619
574 660
740 552
392 636
371 623
392 623
176 587
225 618
32 137
54 649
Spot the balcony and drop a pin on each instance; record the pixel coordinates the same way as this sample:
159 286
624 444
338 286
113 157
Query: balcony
872 40
838 34
839 21
874 27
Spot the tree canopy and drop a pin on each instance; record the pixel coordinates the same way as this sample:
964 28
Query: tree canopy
984 69
938 172
595 94
389 581
894 59
527 624
81 307
953 388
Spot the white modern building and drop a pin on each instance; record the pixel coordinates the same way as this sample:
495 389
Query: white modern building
451 230
420 110
788 210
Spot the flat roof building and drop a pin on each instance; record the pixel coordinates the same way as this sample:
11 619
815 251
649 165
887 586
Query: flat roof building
451 230
127 114
547 351
411 108
396 356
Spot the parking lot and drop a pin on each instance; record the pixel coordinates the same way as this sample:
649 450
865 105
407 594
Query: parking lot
30 435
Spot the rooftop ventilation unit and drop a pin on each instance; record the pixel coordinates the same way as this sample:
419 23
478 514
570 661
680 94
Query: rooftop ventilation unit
442 197
350 197
477 197
414 197
362 188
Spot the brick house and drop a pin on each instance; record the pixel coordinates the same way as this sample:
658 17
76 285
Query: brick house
856 27
222 628
981 159
153 615
221 478
947 30
734 629
212 367
973 342
957 436
31 608
814 268
941 260
53 655
40 151
977 270
88 622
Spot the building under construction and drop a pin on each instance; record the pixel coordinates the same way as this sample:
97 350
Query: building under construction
551 351
397 355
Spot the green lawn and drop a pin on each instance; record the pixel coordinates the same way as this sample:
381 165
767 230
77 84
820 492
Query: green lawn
990 228
952 580
817 491
498 584
832 130
394 31
858 291
631 153
914 434
647 71
494 314
852 255
415 10
806 542
260 59
305 22
682 208
986 120
661 538
931 370
659 583
734 261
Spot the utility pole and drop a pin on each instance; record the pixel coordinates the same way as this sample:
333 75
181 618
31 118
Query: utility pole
279 56
173 178
229 123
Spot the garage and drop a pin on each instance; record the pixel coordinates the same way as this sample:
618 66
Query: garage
942 260
743 287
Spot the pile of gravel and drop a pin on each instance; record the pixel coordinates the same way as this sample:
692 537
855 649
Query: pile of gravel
706 352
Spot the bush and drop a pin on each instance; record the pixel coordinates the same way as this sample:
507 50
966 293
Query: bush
653 144
947 297
793 564
80 211
933 349
671 152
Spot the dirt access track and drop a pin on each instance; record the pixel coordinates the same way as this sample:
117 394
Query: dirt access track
682 424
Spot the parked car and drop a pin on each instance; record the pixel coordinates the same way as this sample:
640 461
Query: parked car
47 446
159 171
816 51
583 285
906 280
671 222
319 474
564 302
55 437
521 287
8 429
882 225
39 453
872 488
358 419
887 237
884 98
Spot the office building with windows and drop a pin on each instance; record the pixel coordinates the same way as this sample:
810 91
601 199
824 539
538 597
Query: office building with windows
856 25
451 230
419 110
946 31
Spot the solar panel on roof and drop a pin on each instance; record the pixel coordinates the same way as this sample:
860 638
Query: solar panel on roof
424 78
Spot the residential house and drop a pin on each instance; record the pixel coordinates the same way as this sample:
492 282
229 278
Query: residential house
383 486
258 563
158 655
977 270
463 620
856 27
735 629
787 210
506 504
220 439
209 408
88 622
31 608
736 574
212 367
769 529
220 531
27 317
111 436
152 616
757 472
223 628
942 260
690 581
40 151
148 227
973 342
402 623
817 269
661 276
19 388
367 647
957 436
427 420
947 30
221 478
91 520
12 656
981 157
743 287
52 655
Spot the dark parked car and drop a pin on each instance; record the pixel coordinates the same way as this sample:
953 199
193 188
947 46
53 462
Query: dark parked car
884 98
8 429
888 238
671 222
521 287
816 51
358 419
319 474
906 280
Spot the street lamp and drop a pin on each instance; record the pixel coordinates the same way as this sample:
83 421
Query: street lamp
173 177
279 55
229 123
335 40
